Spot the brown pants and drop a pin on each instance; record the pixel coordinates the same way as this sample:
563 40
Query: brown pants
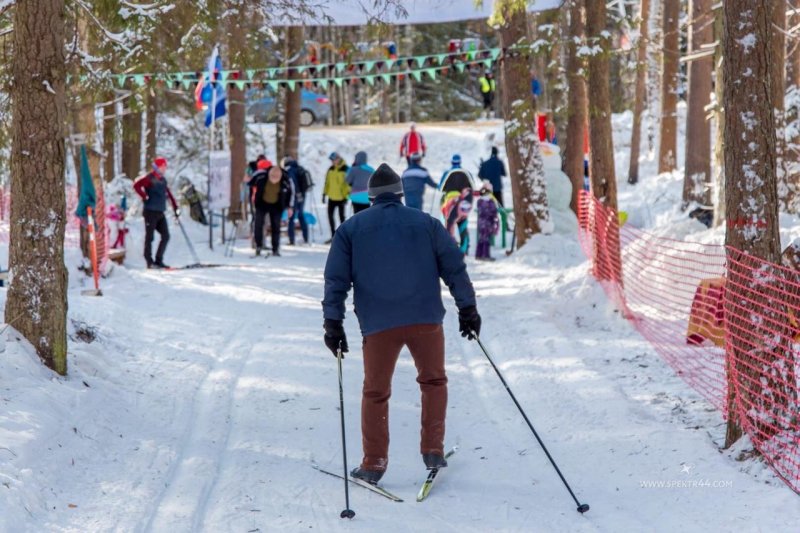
381 350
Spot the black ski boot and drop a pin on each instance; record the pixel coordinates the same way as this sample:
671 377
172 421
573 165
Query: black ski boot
434 460
370 476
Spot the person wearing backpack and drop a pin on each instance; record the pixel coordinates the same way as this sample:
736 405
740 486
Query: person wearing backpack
274 192
336 190
301 180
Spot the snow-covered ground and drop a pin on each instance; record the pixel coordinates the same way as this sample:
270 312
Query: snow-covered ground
207 395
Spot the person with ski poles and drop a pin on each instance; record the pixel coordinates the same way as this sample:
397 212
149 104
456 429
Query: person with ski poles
393 257
415 178
154 192
412 143
274 192
357 179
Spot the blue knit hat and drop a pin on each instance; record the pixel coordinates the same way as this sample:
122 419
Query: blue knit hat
456 159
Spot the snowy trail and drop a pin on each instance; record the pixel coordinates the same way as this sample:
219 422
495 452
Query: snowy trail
210 394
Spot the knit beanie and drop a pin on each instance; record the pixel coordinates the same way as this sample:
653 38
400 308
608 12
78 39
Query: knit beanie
384 179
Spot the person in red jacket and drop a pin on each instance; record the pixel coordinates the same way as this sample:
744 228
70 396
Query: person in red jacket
153 189
412 143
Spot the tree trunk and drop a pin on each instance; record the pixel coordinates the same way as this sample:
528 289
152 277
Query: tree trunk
778 70
151 123
697 174
576 113
603 177
109 123
792 152
522 143
751 199
293 101
237 47
36 305
719 126
667 152
280 123
604 182
641 92
131 140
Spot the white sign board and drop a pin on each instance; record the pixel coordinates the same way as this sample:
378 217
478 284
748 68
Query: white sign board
219 181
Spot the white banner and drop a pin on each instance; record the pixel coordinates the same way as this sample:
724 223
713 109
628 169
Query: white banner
219 196
359 12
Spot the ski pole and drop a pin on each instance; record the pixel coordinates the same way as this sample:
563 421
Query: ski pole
582 507
347 513
188 242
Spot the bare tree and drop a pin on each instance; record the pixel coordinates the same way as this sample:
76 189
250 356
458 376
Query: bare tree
640 92
577 105
37 297
751 201
667 152
522 144
697 173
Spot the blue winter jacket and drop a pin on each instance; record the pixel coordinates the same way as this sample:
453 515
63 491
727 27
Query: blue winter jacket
393 257
493 170
358 179
415 178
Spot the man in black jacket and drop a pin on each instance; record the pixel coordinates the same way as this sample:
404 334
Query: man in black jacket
493 169
273 194
301 182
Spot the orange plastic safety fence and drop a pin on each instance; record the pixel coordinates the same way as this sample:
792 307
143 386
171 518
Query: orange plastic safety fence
699 307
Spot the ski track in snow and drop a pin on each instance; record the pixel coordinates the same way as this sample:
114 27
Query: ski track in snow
209 393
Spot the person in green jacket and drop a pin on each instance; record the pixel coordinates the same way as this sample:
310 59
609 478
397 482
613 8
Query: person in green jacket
336 190
488 87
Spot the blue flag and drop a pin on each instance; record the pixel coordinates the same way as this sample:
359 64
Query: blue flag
215 96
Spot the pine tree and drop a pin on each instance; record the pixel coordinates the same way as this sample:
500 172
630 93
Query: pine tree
37 297
697 174
522 144
667 152
751 206
640 96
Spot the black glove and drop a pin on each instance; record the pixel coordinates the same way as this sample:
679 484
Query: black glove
468 321
335 337
324 198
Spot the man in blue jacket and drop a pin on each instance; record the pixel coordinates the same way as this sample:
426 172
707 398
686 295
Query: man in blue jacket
393 257
415 178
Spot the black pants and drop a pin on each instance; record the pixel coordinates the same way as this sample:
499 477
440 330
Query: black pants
155 221
499 197
274 213
333 205
357 208
487 100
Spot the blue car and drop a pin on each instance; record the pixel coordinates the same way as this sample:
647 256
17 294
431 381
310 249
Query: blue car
314 108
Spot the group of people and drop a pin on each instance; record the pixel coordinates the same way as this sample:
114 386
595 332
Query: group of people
275 189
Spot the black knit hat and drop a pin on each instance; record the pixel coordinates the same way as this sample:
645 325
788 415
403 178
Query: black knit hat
384 179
